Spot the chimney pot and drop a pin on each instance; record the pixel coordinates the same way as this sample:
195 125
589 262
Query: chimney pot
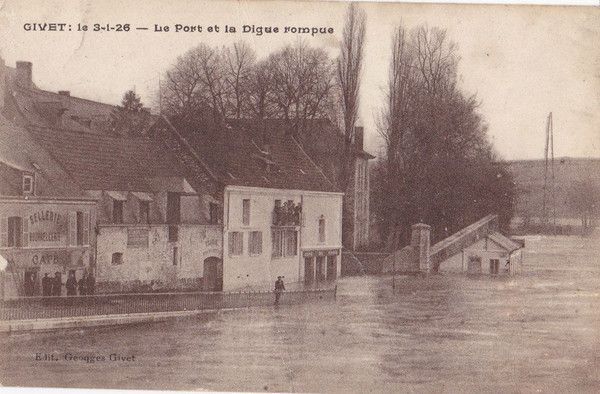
64 92
24 74
358 137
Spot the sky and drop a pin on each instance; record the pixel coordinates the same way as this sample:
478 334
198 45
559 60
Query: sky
522 62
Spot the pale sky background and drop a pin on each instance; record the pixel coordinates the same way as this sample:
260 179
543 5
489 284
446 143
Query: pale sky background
521 61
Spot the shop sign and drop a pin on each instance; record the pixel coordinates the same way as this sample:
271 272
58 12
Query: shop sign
320 253
46 227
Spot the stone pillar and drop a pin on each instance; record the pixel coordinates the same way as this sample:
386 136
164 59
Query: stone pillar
421 243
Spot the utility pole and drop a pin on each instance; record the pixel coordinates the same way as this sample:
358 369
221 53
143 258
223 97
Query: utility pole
549 162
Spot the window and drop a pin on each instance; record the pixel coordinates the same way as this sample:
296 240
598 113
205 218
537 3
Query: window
117 212
79 228
175 255
173 233
236 243
15 231
215 212
246 212
28 184
117 259
173 208
285 242
144 212
255 243
322 229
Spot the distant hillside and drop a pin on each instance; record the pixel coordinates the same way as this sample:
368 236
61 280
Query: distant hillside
529 178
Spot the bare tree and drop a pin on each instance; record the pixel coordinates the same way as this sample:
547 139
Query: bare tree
349 66
439 166
239 66
302 83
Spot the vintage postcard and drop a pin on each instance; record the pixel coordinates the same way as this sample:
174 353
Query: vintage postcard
299 196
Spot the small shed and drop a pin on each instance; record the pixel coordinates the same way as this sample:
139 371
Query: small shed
494 254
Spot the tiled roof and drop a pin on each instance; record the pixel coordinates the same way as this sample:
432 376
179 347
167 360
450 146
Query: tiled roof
99 162
320 139
19 151
77 114
76 133
284 165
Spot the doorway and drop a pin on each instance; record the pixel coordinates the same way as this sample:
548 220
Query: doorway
309 270
321 270
213 274
331 267
494 266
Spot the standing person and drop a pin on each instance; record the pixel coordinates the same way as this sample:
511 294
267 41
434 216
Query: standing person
71 284
91 284
46 285
82 284
279 288
56 284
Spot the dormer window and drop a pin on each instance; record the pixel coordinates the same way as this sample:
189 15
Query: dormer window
28 184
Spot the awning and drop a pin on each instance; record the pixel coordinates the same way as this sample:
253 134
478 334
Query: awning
142 196
119 196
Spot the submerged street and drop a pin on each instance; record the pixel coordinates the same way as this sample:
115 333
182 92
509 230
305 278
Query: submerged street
538 331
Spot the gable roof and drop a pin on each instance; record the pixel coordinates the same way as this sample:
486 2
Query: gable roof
41 108
283 165
100 162
504 242
320 139
19 153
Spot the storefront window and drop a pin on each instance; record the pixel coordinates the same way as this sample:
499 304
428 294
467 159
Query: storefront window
15 231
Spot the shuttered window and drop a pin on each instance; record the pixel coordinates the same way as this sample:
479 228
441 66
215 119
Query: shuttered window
236 243
255 243
15 231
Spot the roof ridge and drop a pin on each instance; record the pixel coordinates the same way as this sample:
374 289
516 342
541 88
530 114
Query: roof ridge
313 163
35 90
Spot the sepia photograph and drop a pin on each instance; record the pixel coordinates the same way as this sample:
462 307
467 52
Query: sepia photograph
299 196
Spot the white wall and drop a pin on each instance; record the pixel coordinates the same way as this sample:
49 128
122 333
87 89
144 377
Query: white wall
261 271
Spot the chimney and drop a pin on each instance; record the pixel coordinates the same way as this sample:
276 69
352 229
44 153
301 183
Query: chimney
358 137
64 93
23 77
420 242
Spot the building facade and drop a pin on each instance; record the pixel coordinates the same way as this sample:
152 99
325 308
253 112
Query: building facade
276 232
44 237
153 223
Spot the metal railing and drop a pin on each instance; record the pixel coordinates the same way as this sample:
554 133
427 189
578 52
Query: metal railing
25 308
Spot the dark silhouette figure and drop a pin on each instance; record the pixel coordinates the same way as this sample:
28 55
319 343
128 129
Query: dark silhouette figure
56 284
46 285
82 285
279 288
91 284
71 285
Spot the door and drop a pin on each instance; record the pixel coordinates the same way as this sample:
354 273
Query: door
309 270
320 269
494 266
331 267
213 274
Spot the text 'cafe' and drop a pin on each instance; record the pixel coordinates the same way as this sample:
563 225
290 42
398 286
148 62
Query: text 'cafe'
44 236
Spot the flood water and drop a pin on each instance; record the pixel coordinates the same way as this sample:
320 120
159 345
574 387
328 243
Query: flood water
536 332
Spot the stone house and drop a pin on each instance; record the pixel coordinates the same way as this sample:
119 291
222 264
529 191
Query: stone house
156 223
